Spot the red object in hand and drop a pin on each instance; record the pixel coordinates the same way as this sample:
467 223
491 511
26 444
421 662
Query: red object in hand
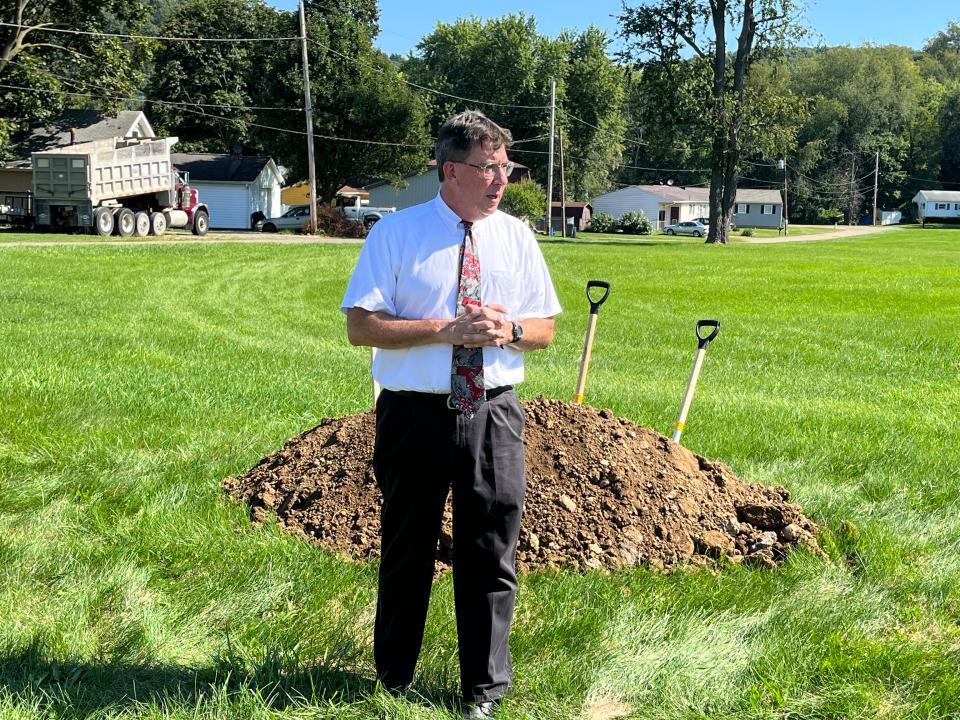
470 302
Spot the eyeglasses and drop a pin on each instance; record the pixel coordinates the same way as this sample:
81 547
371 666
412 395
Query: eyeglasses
490 168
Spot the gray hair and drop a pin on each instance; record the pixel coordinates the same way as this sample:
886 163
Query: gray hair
461 133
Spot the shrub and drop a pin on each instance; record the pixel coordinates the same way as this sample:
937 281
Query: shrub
635 223
331 221
602 222
525 200
747 232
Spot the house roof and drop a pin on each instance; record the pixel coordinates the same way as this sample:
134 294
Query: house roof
677 194
939 195
211 167
756 195
89 125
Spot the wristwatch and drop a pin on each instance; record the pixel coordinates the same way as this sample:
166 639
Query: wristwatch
517 333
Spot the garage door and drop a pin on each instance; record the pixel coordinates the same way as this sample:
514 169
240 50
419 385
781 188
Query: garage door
228 205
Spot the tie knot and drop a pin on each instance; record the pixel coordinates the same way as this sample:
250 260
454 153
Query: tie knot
466 225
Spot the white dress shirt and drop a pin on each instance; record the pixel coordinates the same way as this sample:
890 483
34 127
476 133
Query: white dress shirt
408 268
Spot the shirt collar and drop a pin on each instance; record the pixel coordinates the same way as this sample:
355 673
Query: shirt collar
449 217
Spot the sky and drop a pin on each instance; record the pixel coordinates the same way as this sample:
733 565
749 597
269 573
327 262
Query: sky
837 22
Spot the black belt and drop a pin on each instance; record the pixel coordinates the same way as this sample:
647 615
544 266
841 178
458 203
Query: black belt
491 393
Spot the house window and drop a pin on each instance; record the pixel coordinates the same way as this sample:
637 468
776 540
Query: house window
43 162
943 206
742 209
766 209
956 206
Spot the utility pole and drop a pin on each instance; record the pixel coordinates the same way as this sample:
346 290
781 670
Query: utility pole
553 112
786 211
309 111
876 179
563 191
853 167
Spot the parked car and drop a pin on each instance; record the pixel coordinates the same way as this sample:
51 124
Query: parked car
293 219
698 228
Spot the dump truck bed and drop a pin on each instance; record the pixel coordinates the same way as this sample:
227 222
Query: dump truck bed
103 170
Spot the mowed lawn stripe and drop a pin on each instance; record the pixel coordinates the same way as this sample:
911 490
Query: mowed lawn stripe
135 378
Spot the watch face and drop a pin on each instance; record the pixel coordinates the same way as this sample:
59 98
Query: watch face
517 332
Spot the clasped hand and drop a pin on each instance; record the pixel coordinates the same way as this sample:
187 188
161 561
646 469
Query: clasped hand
482 326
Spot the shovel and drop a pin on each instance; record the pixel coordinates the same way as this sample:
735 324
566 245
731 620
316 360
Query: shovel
591 328
703 341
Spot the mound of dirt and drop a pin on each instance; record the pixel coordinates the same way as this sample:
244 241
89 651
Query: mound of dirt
601 492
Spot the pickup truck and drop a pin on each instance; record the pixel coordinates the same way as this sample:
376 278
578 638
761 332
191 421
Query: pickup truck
365 214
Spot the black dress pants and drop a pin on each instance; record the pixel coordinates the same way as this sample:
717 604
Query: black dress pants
422 450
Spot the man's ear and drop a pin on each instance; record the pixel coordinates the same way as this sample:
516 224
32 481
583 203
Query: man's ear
449 170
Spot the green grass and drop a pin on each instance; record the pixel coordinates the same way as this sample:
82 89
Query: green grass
794 231
134 378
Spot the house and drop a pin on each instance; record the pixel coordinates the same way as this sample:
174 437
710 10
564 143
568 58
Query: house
74 126
937 205
236 187
299 194
578 215
668 204
421 187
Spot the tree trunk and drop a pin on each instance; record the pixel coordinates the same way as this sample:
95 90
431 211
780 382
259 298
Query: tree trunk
728 119
718 226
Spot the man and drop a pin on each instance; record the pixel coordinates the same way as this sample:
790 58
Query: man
452 292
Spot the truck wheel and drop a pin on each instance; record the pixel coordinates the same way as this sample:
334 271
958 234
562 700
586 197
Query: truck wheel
103 221
141 224
158 223
369 221
125 222
201 223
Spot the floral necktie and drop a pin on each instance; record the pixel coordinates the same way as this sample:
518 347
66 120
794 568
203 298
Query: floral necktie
466 374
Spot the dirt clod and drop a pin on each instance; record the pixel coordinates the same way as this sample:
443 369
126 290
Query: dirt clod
601 492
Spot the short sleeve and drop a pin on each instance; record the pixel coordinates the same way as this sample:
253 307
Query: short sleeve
374 281
539 298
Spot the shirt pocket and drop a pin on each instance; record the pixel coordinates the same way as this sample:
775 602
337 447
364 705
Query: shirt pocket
503 288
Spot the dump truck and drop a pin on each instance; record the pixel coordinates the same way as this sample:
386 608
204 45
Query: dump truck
125 186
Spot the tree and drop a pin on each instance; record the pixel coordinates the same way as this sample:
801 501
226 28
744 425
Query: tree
367 123
100 69
594 93
525 200
863 101
504 67
665 28
210 83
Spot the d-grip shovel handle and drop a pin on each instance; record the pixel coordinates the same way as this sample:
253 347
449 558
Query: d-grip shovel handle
701 324
595 304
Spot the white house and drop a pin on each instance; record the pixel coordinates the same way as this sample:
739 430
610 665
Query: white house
936 205
235 186
420 187
668 204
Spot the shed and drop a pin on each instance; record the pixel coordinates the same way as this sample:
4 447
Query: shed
421 187
937 205
236 187
577 212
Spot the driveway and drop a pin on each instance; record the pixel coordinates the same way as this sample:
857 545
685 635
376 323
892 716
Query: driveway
840 232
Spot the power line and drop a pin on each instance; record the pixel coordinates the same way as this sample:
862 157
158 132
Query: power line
570 115
424 87
190 109
75 82
70 31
